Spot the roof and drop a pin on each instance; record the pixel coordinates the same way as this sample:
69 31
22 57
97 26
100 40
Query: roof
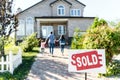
60 0
30 7
80 2
67 2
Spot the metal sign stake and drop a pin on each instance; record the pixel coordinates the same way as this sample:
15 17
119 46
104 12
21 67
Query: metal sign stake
85 76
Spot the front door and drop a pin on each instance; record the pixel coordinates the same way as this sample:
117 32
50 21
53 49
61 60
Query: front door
46 31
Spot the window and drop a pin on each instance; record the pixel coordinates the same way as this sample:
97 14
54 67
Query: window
29 26
21 28
46 31
61 10
29 20
75 12
61 30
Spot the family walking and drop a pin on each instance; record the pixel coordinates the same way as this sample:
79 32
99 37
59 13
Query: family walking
51 43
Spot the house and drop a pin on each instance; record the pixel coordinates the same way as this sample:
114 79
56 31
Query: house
58 16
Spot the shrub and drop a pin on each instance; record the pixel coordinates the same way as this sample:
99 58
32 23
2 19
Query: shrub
101 36
7 42
112 69
29 43
77 39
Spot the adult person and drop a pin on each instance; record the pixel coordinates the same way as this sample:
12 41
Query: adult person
51 42
62 43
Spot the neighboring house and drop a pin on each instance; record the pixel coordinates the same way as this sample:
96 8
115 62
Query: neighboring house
59 16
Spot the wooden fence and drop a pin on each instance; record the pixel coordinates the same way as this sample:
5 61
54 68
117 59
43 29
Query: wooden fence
10 62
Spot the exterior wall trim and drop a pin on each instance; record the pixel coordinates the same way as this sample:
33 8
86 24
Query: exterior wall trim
61 17
61 0
57 19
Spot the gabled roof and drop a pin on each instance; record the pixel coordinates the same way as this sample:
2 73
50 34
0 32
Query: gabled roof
60 0
66 2
80 2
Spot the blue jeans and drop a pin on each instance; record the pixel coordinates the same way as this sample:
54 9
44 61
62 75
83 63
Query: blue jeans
51 47
62 48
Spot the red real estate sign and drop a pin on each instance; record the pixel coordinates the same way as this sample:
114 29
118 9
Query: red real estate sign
87 61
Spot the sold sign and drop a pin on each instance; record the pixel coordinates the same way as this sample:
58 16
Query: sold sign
87 61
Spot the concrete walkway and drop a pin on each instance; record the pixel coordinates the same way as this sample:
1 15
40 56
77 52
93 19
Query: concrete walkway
47 67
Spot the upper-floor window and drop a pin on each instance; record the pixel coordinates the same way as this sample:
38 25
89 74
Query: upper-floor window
61 10
75 12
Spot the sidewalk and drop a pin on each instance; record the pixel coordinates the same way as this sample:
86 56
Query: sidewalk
47 67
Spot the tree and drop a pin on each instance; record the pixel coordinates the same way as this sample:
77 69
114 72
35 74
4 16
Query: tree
7 21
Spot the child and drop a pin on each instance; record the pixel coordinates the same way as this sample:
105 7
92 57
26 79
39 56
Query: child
62 43
42 46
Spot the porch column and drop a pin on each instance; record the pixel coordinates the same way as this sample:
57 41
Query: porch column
38 29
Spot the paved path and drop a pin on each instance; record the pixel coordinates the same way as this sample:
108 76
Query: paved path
47 67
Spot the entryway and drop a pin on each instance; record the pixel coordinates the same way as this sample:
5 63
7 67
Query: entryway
46 31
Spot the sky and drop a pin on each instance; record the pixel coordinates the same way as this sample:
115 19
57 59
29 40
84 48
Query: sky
106 9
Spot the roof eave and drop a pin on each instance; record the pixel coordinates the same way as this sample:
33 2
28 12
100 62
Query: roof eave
80 2
29 7
57 0
53 17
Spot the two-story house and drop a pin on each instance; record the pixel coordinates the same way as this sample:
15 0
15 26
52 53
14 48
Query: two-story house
58 16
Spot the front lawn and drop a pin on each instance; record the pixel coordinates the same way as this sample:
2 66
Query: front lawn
22 71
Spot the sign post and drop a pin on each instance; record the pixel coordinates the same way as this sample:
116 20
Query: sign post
87 61
85 76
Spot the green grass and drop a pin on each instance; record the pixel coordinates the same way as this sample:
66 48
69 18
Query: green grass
21 72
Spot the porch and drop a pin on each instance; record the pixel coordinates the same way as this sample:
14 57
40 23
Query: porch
57 26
